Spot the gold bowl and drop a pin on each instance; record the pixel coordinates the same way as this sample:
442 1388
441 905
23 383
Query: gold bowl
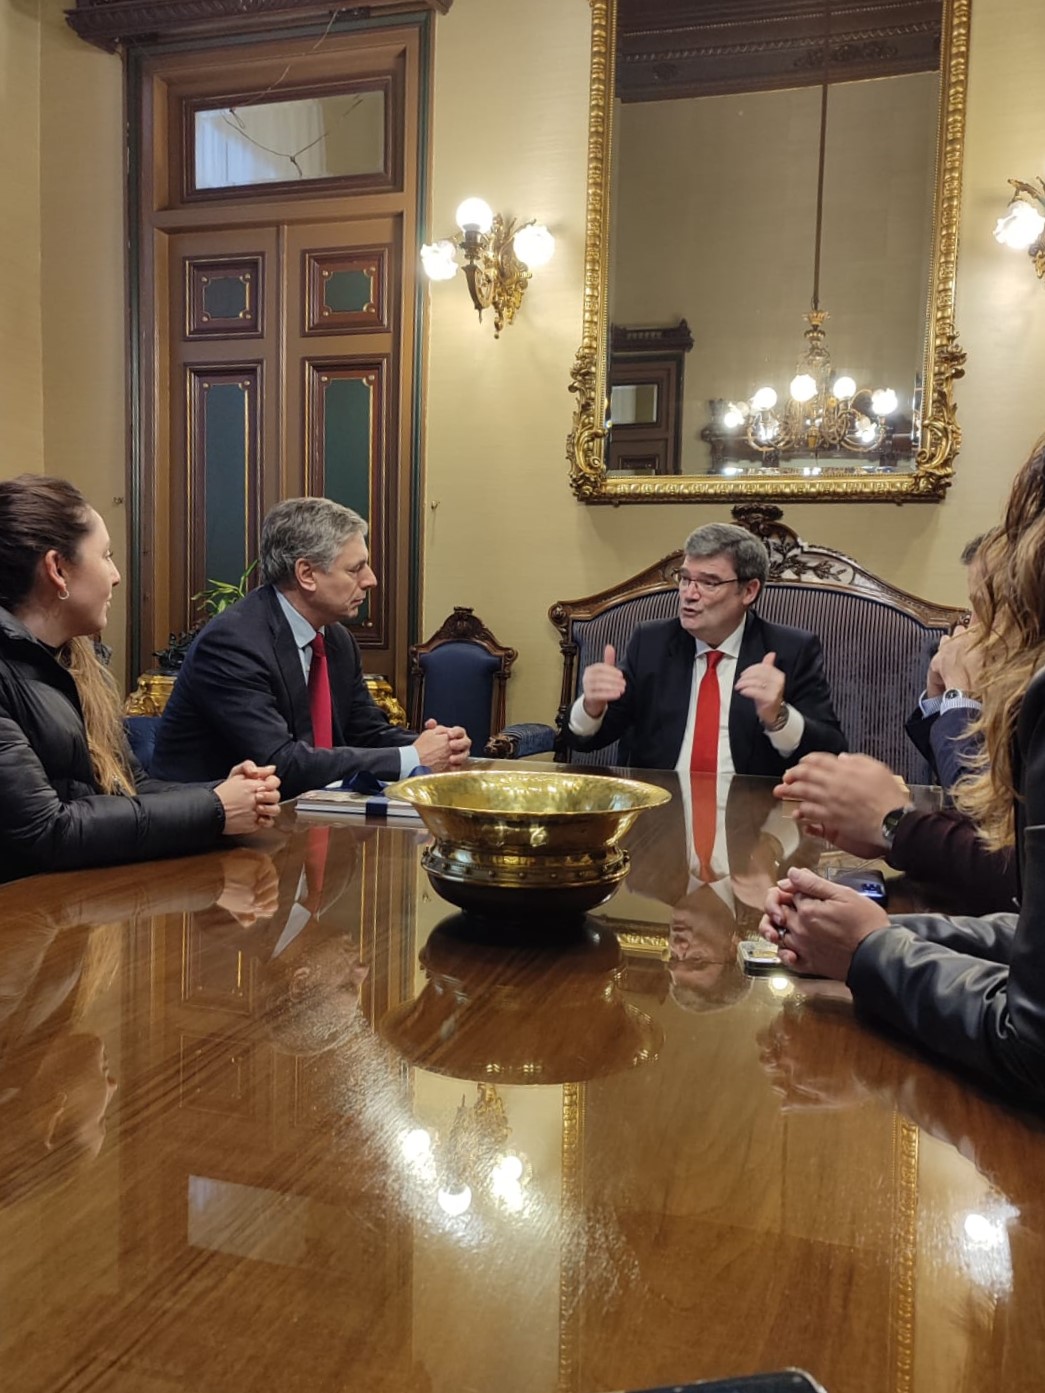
518 843
517 1014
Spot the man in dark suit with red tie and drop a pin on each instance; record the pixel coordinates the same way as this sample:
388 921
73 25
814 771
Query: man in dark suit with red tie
280 672
717 690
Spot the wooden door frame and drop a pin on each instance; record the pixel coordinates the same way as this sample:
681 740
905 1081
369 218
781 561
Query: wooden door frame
148 446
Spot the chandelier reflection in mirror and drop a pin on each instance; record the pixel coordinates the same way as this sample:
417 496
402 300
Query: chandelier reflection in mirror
1023 226
474 1162
824 415
497 256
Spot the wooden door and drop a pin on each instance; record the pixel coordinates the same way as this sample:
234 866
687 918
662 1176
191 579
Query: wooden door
276 353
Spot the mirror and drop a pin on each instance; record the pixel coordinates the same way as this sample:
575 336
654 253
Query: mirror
784 179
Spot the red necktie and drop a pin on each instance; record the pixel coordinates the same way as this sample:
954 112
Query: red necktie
319 705
704 764
704 758
317 844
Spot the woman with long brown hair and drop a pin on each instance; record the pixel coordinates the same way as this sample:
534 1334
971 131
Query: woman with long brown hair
971 990
71 792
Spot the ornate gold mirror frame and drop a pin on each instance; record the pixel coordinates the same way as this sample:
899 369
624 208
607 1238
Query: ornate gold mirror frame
944 357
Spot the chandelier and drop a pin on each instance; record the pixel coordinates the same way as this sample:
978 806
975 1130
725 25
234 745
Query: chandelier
821 415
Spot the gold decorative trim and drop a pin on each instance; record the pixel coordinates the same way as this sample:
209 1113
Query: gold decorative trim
905 1152
945 358
571 1217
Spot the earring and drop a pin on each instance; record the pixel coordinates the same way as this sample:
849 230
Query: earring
63 594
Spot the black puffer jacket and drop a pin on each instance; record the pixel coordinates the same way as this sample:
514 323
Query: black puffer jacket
52 816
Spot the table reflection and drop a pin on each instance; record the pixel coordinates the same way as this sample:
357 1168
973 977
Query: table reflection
361 1140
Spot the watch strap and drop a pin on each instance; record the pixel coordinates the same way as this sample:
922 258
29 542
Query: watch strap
781 719
892 821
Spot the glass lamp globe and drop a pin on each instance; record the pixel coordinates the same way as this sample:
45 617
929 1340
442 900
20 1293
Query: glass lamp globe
884 401
438 260
764 399
732 417
1021 226
803 387
534 245
474 215
455 1202
845 387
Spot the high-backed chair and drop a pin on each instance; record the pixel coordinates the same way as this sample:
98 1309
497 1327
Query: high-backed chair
141 735
458 676
877 641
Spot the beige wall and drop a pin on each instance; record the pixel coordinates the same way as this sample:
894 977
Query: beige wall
21 385
503 530
82 290
62 393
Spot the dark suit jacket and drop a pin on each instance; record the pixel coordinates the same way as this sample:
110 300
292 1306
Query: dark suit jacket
650 718
945 742
241 694
973 990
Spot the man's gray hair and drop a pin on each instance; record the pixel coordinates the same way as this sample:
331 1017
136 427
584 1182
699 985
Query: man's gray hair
746 551
310 529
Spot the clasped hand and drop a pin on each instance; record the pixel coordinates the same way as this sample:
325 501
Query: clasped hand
818 925
250 886
250 797
443 747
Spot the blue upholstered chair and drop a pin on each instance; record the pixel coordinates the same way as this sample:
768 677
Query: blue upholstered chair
141 733
877 642
458 676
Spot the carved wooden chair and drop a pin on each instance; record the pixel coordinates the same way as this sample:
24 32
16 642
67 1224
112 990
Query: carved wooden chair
458 677
877 641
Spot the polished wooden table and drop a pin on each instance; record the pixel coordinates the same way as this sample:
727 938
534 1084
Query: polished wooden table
357 1146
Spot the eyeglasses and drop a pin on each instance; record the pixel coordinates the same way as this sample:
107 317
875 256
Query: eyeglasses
708 585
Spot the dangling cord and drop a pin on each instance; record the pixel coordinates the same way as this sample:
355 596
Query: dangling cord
823 155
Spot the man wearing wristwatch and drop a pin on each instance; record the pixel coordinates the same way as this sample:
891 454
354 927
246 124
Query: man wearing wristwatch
717 689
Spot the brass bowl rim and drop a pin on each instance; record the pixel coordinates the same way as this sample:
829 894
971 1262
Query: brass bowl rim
651 795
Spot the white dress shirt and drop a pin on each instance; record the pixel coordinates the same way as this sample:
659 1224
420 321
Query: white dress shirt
304 633
785 740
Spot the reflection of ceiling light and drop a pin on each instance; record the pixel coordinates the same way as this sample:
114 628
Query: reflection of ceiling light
455 1202
1023 226
984 1245
472 1161
497 258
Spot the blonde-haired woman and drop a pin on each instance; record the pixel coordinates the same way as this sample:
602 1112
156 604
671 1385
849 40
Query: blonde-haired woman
72 793
970 990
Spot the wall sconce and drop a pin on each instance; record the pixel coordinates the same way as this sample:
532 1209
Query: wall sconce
1023 226
496 255
474 1160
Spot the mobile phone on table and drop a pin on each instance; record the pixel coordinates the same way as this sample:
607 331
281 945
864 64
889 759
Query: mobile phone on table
867 882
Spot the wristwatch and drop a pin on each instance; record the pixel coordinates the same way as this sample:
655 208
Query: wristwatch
781 719
891 822
955 694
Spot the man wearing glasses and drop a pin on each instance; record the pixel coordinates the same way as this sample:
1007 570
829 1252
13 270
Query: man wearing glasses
717 690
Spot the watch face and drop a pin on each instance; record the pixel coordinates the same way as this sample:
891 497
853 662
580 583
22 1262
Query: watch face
954 694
